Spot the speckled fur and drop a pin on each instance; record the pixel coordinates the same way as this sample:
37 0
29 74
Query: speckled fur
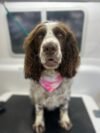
54 99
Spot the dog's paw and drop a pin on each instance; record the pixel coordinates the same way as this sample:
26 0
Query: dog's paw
39 127
67 125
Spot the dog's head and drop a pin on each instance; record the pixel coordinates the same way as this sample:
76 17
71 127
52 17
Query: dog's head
51 45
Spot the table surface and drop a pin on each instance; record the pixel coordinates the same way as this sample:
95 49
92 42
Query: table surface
20 115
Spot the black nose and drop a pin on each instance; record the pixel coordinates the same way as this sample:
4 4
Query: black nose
50 48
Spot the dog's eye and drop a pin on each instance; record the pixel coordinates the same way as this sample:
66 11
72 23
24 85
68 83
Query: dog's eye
41 35
59 34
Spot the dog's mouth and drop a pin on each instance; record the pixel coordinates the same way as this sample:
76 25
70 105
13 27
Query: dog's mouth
51 62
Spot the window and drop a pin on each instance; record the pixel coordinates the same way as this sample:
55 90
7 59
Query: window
74 19
20 24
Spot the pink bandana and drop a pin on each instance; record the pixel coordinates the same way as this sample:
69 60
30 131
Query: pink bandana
51 83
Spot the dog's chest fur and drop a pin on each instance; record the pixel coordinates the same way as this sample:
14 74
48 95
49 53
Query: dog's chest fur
53 99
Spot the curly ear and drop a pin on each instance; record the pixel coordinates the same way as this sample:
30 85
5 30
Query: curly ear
32 65
70 57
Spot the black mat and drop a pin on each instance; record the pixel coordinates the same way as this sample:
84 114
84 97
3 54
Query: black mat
19 116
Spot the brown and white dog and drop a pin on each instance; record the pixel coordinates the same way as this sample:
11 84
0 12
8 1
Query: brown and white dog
51 49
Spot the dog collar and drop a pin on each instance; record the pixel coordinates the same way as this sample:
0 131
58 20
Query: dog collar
51 83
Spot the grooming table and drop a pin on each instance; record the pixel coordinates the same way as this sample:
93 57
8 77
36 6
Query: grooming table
20 114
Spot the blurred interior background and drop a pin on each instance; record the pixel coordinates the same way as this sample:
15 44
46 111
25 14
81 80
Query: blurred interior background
18 18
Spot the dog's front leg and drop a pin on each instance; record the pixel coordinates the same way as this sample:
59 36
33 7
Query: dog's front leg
39 125
64 117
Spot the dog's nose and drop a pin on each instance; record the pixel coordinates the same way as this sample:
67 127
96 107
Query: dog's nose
50 49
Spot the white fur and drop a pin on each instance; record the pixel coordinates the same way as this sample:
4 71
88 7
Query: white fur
53 99
50 37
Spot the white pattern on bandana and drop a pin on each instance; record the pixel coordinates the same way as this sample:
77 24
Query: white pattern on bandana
51 83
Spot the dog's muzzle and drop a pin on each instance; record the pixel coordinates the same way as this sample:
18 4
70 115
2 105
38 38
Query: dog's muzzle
50 49
50 55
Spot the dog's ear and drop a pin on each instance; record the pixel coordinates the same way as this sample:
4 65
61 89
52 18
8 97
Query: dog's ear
32 65
70 58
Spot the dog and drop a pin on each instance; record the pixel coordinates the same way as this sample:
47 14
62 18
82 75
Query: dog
51 62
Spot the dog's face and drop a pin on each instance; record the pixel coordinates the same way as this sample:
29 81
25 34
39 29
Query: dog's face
51 45
50 48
